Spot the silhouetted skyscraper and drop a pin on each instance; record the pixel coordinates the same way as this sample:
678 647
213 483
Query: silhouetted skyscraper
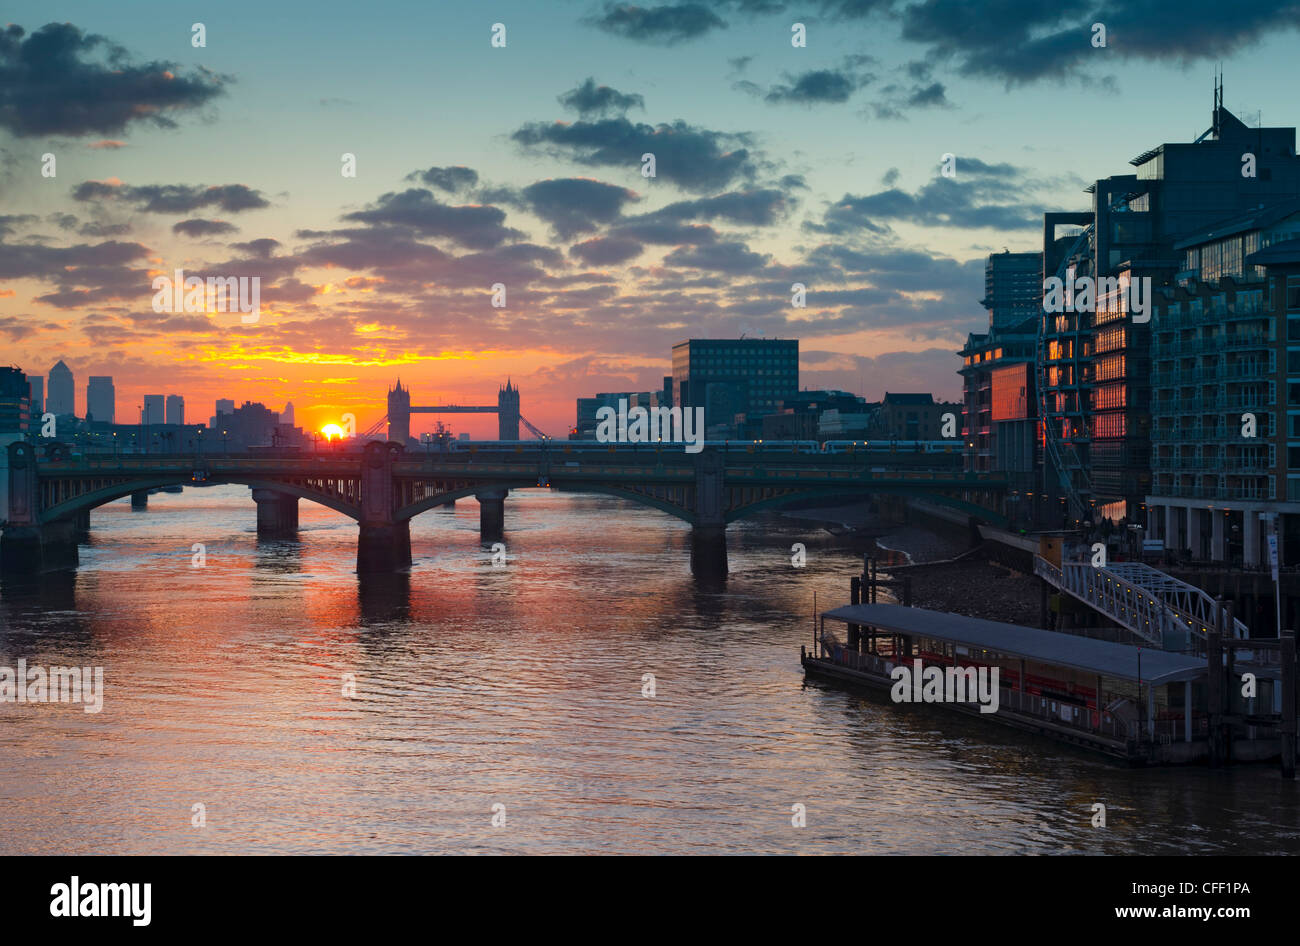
62 397
101 399
153 409
175 409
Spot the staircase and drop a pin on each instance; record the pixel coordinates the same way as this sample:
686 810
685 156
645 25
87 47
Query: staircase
1144 600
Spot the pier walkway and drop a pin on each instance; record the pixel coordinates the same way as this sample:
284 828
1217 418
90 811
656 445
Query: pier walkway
1156 607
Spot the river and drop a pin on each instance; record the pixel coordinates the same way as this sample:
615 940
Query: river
517 693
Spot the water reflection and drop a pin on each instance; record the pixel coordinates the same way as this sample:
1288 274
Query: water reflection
522 683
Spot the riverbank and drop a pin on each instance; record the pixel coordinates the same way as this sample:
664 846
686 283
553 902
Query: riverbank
974 586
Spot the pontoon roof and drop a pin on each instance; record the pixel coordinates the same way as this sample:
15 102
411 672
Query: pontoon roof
1067 650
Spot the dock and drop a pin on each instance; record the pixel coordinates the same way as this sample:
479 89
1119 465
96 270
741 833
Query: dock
1137 705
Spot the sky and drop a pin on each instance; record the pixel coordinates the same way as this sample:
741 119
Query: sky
521 164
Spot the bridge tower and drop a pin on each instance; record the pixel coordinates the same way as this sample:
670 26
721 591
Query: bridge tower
507 412
399 413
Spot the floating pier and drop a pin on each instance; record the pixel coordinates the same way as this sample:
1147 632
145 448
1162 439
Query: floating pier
1139 705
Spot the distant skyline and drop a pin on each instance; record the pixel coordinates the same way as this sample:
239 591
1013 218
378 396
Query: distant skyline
522 165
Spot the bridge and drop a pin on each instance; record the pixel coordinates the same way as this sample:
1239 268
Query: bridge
400 410
382 487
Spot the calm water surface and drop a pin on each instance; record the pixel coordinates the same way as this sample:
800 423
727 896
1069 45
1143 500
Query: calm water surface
520 686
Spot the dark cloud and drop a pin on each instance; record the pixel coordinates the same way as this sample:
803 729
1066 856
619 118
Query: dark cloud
1024 40
575 205
758 207
62 81
695 159
173 198
471 225
899 101
981 195
36 261
731 257
449 179
92 228
667 24
202 228
261 249
11 222
606 251
591 100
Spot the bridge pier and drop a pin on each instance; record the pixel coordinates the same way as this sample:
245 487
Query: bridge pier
384 547
277 513
492 514
384 543
140 499
29 550
709 527
709 551
82 523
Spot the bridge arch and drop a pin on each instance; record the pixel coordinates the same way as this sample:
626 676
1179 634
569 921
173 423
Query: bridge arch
441 499
116 491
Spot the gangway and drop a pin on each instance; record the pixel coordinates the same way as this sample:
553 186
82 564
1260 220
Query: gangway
1144 600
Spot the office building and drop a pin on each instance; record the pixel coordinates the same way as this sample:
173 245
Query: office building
1225 408
999 402
61 396
37 385
154 412
1097 392
101 400
730 377
913 417
15 403
1013 288
175 409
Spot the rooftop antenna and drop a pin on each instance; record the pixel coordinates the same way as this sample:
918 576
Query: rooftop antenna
1218 99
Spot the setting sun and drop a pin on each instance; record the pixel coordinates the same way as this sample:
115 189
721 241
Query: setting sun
332 432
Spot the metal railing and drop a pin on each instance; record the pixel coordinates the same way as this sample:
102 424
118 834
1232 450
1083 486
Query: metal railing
1142 599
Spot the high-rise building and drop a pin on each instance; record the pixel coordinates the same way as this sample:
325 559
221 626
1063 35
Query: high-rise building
101 400
999 413
37 385
175 409
62 397
1013 288
286 415
1096 390
221 417
15 406
154 409
727 377
1225 407
253 425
